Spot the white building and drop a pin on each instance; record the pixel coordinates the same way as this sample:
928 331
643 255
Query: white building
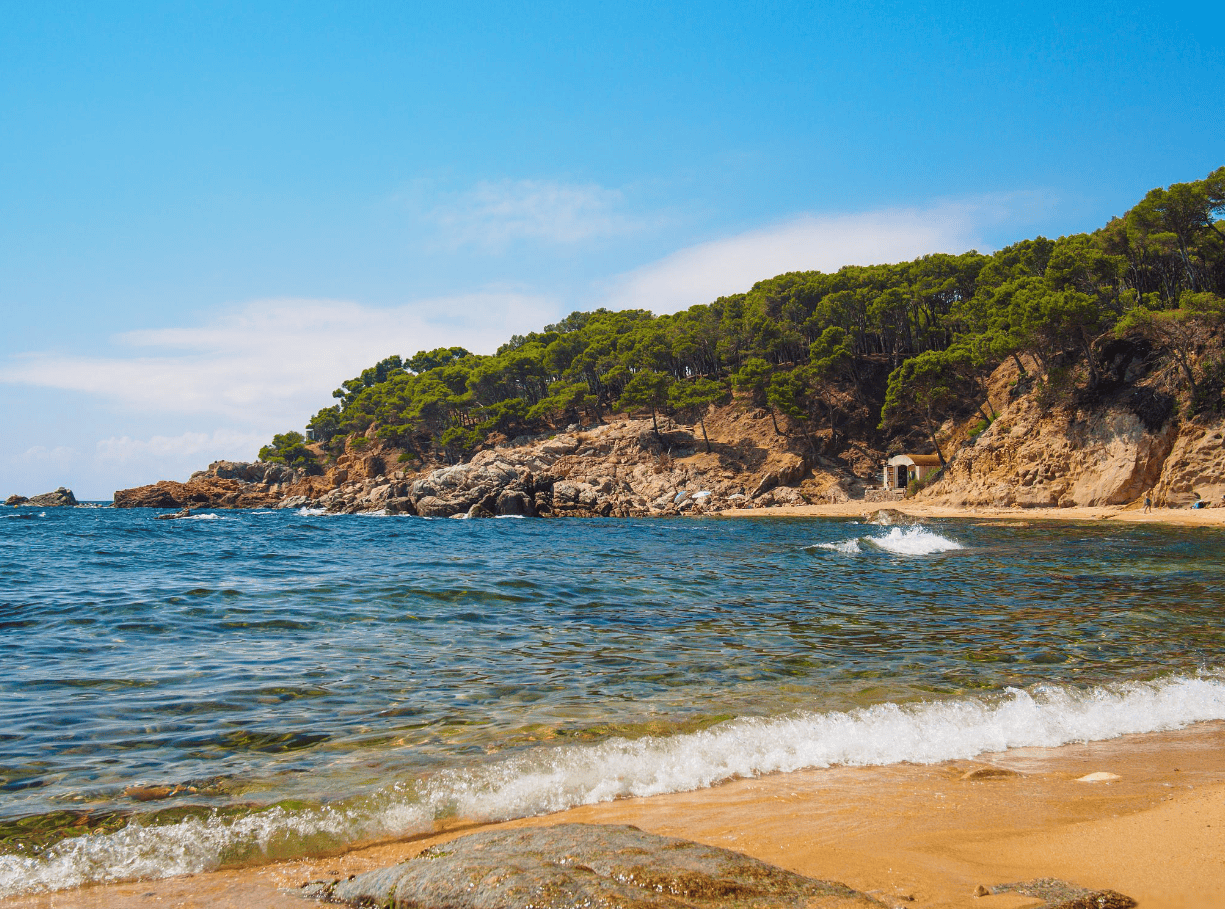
901 469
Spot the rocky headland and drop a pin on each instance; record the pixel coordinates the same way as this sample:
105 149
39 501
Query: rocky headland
620 468
1127 443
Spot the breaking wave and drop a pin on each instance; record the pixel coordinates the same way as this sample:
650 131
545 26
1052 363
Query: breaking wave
910 541
550 779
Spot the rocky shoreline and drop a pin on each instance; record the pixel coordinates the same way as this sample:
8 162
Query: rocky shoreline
617 469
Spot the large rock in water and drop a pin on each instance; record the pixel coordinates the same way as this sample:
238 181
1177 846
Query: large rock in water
61 498
493 487
585 865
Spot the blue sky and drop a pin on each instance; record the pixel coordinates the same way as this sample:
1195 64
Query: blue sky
215 213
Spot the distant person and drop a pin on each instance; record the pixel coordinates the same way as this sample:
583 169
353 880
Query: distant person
1148 501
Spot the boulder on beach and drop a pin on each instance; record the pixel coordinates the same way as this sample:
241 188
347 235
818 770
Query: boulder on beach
585 865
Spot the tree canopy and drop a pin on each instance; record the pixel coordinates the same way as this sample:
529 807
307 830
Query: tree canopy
896 345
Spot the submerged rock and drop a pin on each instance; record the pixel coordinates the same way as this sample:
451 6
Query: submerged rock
585 865
1062 895
891 517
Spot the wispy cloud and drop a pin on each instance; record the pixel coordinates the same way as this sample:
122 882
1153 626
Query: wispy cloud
220 444
701 273
59 456
272 363
495 214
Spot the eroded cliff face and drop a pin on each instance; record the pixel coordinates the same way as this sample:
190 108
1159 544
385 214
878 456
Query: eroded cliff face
620 468
1112 453
1033 457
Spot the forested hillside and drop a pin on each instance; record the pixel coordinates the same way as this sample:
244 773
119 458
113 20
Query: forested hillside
869 353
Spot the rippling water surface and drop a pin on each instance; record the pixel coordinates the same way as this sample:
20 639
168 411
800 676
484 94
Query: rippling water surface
251 684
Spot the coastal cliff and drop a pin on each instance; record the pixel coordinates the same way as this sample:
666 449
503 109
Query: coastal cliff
1126 443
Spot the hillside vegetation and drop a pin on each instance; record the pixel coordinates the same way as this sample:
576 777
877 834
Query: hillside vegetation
884 354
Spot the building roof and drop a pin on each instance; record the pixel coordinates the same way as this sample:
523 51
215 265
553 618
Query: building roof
915 460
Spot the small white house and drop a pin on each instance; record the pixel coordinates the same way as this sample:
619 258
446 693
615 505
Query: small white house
901 469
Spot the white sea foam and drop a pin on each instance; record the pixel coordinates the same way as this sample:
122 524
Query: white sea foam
205 517
311 512
551 779
913 541
909 541
846 547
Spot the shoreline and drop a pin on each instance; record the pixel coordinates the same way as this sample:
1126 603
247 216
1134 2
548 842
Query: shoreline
911 835
1122 514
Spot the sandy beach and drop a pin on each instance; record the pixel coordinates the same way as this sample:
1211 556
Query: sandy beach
921 836
1130 514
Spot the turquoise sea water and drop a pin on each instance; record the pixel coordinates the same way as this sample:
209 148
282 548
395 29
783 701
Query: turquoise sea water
248 685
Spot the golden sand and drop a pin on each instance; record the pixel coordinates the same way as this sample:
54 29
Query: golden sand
913 836
1129 514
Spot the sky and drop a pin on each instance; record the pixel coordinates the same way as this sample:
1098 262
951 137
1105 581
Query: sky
212 214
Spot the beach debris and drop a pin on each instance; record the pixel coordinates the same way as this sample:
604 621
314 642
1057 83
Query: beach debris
1100 777
980 890
988 773
1062 895
585 865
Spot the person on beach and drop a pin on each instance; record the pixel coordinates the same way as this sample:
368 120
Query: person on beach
1148 501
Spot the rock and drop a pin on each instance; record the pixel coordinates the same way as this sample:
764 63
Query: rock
585 865
987 773
513 502
1100 777
1037 456
226 484
1059 894
61 498
890 517
14 501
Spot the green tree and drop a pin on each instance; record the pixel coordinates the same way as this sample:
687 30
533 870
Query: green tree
921 387
648 389
694 397
290 449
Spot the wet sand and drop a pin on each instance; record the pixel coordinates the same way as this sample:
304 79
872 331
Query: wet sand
1129 514
913 836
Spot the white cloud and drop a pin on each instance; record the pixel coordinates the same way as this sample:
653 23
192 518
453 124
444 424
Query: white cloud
227 444
495 214
701 273
59 456
273 363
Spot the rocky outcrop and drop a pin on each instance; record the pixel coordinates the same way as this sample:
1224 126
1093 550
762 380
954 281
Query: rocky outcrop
226 484
1195 467
61 498
1110 449
585 865
1036 457
620 468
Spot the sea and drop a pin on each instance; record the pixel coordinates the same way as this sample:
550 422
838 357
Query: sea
239 687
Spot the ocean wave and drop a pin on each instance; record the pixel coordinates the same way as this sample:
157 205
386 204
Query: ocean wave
311 512
555 778
911 541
